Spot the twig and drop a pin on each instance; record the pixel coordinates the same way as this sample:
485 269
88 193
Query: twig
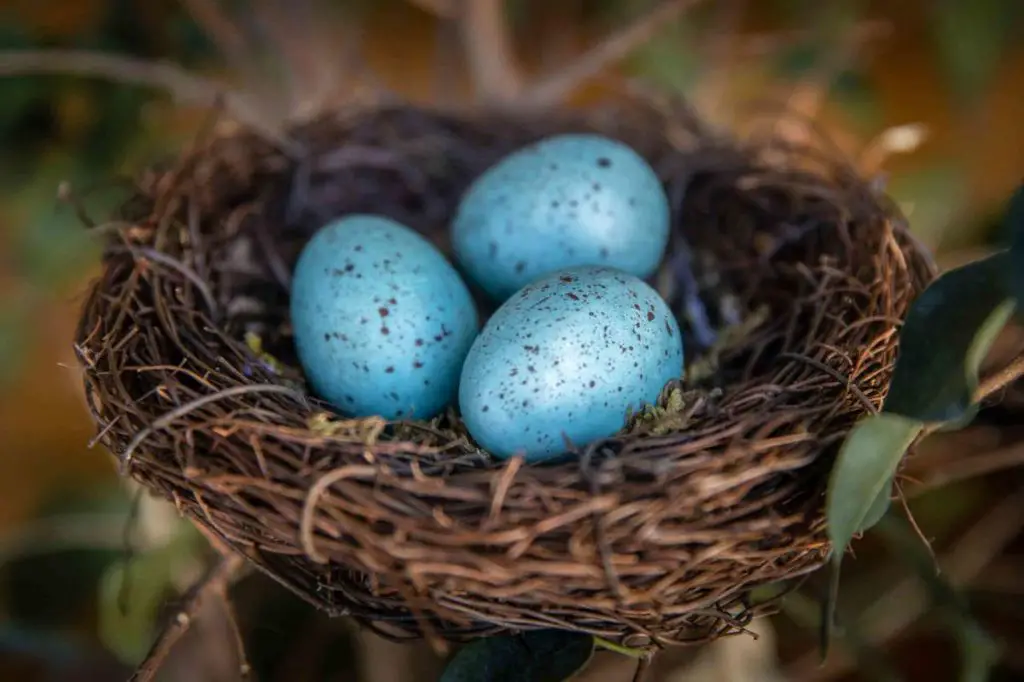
1000 380
643 666
557 86
177 413
215 582
182 85
242 660
487 44
988 387
896 610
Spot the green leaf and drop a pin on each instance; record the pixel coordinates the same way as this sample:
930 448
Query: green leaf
863 470
535 656
878 508
1014 222
859 493
946 335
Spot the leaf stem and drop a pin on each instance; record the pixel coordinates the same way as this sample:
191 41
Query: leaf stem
620 649
215 582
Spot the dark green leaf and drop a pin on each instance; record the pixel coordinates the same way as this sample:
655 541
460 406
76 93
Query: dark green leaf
1015 226
536 656
863 471
945 337
876 511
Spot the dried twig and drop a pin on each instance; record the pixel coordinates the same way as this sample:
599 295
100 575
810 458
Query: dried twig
643 666
182 85
487 44
242 660
168 418
1001 379
557 86
215 582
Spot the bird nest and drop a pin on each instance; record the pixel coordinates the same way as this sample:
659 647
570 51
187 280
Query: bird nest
790 275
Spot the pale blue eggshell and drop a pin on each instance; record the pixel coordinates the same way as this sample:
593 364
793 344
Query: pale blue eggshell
382 321
570 353
565 201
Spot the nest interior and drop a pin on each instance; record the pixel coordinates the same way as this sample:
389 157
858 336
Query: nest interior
654 536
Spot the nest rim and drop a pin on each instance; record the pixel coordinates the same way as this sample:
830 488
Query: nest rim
603 551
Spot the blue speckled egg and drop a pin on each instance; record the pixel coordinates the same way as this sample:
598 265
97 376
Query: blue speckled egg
382 320
570 353
566 201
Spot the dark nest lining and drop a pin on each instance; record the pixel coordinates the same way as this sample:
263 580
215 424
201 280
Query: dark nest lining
656 536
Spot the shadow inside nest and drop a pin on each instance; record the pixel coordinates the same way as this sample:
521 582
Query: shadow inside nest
789 277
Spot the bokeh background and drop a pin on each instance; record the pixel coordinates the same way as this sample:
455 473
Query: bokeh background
75 605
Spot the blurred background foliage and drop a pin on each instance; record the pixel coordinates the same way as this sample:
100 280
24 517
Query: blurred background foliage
75 606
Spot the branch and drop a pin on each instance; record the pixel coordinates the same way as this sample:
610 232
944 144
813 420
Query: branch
1001 379
988 387
215 582
487 43
556 87
241 659
182 85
